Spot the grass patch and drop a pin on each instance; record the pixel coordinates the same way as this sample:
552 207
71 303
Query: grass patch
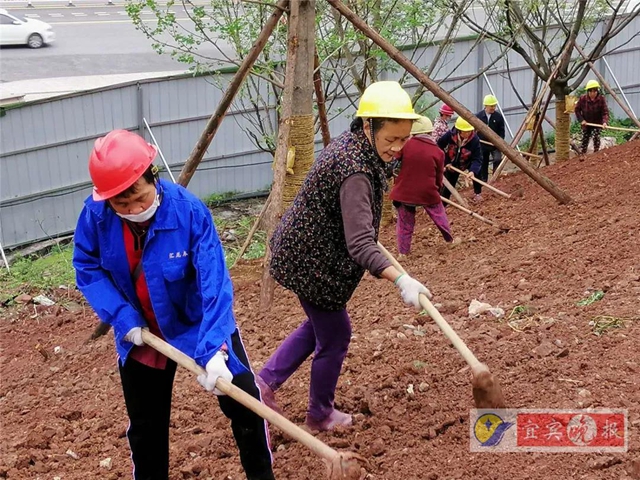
217 199
38 273
594 297
240 230
523 318
602 324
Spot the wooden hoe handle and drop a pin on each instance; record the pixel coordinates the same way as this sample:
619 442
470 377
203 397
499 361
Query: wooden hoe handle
319 448
477 180
622 129
433 312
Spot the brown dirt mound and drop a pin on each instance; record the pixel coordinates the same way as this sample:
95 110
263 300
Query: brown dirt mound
63 415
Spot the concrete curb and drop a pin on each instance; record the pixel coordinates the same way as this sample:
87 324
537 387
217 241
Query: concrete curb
37 89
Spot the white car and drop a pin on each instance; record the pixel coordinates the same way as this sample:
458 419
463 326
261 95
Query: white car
24 31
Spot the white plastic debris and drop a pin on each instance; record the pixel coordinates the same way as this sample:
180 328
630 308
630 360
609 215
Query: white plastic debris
106 463
477 308
72 454
410 389
57 350
42 300
496 312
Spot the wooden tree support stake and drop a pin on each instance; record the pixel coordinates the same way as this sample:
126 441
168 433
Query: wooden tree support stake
532 111
526 154
236 82
320 101
465 113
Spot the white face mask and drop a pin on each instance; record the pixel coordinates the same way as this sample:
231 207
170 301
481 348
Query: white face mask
143 216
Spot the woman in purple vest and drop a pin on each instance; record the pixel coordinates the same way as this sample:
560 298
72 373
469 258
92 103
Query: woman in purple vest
327 240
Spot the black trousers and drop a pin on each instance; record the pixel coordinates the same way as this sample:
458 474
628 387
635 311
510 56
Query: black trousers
587 133
147 395
453 179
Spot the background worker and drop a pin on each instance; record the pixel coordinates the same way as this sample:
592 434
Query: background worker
461 148
418 184
441 124
327 240
592 108
494 119
147 255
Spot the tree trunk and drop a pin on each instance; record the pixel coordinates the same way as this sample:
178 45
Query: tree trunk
301 136
296 114
563 122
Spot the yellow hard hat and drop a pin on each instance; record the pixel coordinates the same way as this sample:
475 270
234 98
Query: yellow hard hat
463 125
592 84
422 125
490 100
386 100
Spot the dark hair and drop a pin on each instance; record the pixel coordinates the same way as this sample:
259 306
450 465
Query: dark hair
377 123
150 175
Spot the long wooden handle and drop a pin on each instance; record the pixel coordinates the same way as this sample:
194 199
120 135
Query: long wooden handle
622 129
526 154
475 215
477 180
433 312
319 448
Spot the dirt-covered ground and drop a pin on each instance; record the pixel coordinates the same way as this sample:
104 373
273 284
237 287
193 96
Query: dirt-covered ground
62 413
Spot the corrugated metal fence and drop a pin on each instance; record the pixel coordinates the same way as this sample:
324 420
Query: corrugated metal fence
44 145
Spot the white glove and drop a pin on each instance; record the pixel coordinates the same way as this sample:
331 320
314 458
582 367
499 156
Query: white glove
134 336
410 290
216 367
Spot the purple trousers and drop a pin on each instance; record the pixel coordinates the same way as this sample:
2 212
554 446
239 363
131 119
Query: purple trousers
407 222
324 333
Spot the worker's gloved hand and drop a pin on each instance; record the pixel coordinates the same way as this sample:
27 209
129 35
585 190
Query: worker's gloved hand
604 125
134 336
216 367
410 290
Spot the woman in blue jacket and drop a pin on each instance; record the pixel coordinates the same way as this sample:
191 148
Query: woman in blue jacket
147 255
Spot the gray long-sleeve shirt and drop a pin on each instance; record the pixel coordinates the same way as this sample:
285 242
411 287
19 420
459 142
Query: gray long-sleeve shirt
356 198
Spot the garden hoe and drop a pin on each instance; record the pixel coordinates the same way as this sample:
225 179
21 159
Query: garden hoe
486 389
477 180
475 215
340 465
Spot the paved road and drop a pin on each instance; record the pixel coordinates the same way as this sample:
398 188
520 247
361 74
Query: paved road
92 39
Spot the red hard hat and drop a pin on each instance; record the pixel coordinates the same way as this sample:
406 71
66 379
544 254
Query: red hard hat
117 161
446 110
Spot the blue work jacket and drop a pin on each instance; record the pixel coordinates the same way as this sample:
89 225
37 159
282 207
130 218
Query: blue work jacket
184 267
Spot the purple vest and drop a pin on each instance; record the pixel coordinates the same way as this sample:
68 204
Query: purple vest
310 255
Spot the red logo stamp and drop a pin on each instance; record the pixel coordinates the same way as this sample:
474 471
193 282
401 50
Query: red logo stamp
543 430
571 429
